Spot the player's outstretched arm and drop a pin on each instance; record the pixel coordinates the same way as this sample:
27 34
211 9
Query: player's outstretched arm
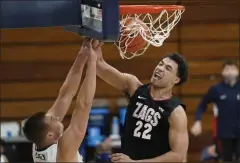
209 97
74 134
178 137
69 87
122 81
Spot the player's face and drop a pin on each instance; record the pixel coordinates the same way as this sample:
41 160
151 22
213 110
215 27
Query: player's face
165 74
55 128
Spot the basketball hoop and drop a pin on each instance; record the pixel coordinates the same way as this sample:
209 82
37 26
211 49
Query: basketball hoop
152 23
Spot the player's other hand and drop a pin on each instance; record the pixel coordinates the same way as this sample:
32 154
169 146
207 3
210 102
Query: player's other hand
86 44
97 48
87 49
120 157
196 128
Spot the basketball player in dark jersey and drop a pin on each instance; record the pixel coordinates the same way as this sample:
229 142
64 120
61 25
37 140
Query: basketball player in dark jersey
156 122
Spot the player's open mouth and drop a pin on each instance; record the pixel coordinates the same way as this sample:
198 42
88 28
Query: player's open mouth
157 76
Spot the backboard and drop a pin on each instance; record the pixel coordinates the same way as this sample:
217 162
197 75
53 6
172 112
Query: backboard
99 19
94 18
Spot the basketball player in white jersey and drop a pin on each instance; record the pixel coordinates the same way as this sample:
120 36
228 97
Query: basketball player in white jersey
45 129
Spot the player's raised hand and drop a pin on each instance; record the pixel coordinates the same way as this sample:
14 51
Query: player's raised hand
87 49
97 48
85 44
120 157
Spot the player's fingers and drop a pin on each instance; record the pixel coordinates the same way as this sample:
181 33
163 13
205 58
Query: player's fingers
116 154
122 157
99 45
112 155
89 45
115 158
86 42
95 43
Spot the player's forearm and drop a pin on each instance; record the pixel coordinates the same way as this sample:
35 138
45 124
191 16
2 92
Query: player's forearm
168 157
72 81
69 88
111 75
105 71
88 88
78 124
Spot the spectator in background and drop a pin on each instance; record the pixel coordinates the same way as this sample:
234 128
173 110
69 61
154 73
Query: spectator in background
209 153
226 98
103 152
3 157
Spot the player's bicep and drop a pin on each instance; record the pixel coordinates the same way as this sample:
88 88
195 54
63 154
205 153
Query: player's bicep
178 133
66 143
60 107
79 120
74 134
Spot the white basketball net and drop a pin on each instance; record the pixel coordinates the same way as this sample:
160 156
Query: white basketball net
159 28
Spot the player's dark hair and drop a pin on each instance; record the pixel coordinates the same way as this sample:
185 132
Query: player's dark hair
34 127
229 63
182 67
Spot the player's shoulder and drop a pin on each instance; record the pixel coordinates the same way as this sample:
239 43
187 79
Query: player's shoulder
140 88
132 80
47 154
176 103
143 87
49 148
179 110
132 84
178 116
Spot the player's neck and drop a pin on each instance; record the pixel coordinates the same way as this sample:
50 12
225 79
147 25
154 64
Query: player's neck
160 93
43 145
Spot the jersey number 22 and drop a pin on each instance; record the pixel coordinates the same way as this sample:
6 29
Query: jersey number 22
145 134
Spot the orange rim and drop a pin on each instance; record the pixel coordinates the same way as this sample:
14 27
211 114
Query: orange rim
144 9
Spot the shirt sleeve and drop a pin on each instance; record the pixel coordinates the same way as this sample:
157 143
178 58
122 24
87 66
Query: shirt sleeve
207 98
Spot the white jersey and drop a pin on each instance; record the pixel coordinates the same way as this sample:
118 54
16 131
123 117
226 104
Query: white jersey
3 158
48 155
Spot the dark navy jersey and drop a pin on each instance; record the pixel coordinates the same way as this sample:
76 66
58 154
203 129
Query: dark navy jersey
146 131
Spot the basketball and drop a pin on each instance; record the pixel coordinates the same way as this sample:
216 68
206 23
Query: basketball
130 38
